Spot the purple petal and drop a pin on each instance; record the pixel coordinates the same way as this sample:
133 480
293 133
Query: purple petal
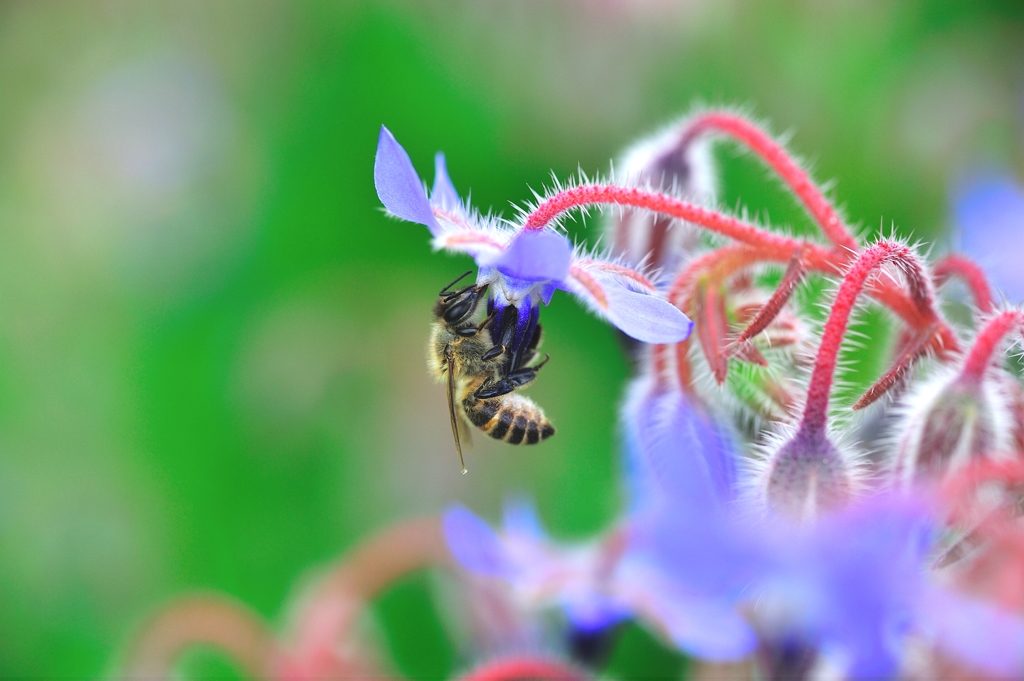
473 543
398 186
536 255
707 629
443 194
520 517
980 635
990 216
645 317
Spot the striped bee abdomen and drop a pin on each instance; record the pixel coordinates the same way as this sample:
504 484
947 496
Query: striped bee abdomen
512 418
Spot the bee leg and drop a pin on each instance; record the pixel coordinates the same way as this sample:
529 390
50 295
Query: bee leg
530 350
504 340
494 389
496 351
521 377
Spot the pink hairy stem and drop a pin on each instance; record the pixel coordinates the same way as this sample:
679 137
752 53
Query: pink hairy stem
712 325
815 416
779 160
587 195
526 667
770 247
916 346
793 276
728 260
330 610
987 343
972 275
199 620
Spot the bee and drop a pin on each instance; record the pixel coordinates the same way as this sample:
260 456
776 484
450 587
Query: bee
483 376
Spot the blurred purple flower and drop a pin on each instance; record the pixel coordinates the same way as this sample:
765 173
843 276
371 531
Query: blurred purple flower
847 586
523 267
989 214
981 635
540 572
603 583
682 473
844 586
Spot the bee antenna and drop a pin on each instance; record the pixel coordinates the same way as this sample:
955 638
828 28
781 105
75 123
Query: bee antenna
460 278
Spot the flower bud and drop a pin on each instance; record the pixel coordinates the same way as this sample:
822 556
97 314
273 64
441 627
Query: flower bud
674 162
808 475
948 422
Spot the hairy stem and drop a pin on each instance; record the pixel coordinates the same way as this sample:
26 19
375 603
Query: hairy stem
815 415
972 275
915 346
987 343
587 195
779 160
769 311
201 620
331 608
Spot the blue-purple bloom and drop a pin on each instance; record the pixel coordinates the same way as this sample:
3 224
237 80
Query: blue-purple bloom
844 587
581 580
522 267
989 214
619 577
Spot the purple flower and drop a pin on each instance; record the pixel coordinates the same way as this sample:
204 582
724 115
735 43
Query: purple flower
989 214
522 267
843 587
539 572
682 469
983 636
602 583
847 586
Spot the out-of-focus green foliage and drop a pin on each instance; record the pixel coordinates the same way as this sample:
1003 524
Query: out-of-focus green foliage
212 340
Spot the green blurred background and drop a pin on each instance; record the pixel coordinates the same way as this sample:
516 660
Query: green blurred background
212 341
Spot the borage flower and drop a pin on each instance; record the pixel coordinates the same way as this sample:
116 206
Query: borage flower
522 266
682 472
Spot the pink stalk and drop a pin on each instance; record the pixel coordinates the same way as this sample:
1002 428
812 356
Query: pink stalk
201 620
916 346
773 248
985 345
973 276
712 326
793 276
332 607
815 416
773 154
587 195
520 668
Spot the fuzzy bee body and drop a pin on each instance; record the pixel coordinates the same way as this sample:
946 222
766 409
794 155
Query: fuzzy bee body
512 418
481 381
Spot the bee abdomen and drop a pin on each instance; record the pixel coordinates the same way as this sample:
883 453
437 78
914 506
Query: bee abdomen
514 419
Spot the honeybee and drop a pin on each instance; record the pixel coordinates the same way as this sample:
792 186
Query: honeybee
482 376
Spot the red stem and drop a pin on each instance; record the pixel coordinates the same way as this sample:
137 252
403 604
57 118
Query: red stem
773 154
914 348
968 270
985 345
585 195
516 669
770 247
202 620
770 310
816 410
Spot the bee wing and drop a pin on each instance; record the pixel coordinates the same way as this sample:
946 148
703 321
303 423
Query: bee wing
450 359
